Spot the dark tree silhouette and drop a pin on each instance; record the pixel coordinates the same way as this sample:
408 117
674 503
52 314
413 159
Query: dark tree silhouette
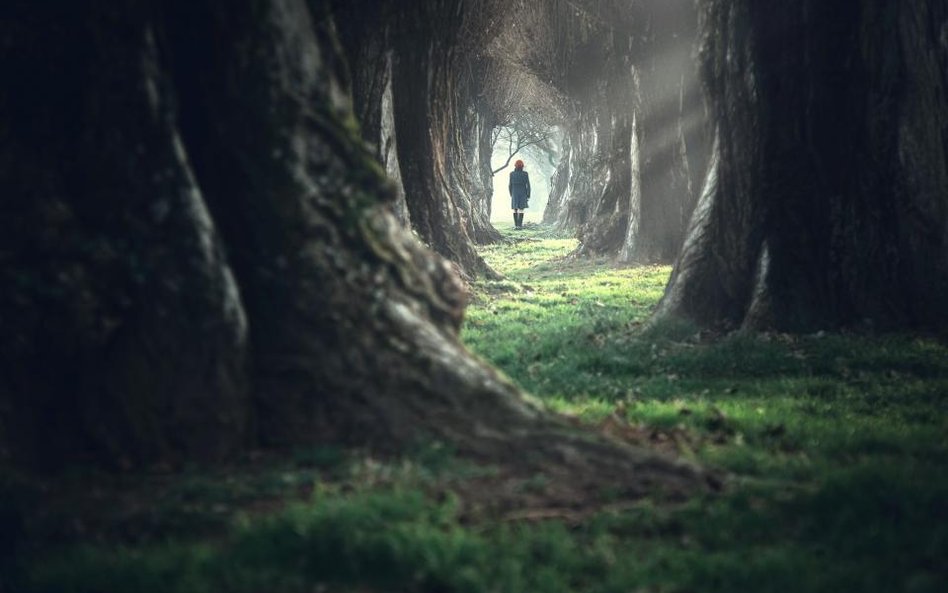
827 202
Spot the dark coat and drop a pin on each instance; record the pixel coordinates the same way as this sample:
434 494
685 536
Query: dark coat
519 189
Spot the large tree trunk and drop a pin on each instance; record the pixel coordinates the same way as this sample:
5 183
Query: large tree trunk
122 329
429 118
128 330
827 204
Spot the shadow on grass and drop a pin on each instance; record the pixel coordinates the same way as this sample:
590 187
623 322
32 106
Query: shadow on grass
860 531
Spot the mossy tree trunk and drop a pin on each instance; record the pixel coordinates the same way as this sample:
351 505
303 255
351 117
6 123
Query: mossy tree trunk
202 256
827 203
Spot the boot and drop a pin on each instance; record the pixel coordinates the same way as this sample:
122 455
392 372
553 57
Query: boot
516 220
519 221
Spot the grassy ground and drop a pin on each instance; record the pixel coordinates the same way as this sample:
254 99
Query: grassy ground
837 448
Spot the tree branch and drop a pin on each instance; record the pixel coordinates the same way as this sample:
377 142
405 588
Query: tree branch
520 135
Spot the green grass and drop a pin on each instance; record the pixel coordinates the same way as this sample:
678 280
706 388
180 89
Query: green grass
837 448
843 440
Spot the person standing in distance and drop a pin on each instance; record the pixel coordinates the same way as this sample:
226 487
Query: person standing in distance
519 193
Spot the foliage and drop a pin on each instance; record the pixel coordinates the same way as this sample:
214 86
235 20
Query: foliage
836 446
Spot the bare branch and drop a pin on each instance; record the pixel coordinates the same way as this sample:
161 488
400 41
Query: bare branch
527 130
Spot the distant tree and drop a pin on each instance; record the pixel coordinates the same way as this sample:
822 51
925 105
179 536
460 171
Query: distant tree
521 134
388 47
635 144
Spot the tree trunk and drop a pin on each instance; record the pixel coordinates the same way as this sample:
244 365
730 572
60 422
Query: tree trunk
607 227
467 174
673 134
827 204
558 194
123 332
428 121
124 320
365 31
485 149
581 175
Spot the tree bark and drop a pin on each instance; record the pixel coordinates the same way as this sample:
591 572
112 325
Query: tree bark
559 184
607 227
485 149
429 117
365 31
828 201
580 176
468 186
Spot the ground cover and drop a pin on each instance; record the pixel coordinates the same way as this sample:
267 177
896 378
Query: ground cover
834 448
